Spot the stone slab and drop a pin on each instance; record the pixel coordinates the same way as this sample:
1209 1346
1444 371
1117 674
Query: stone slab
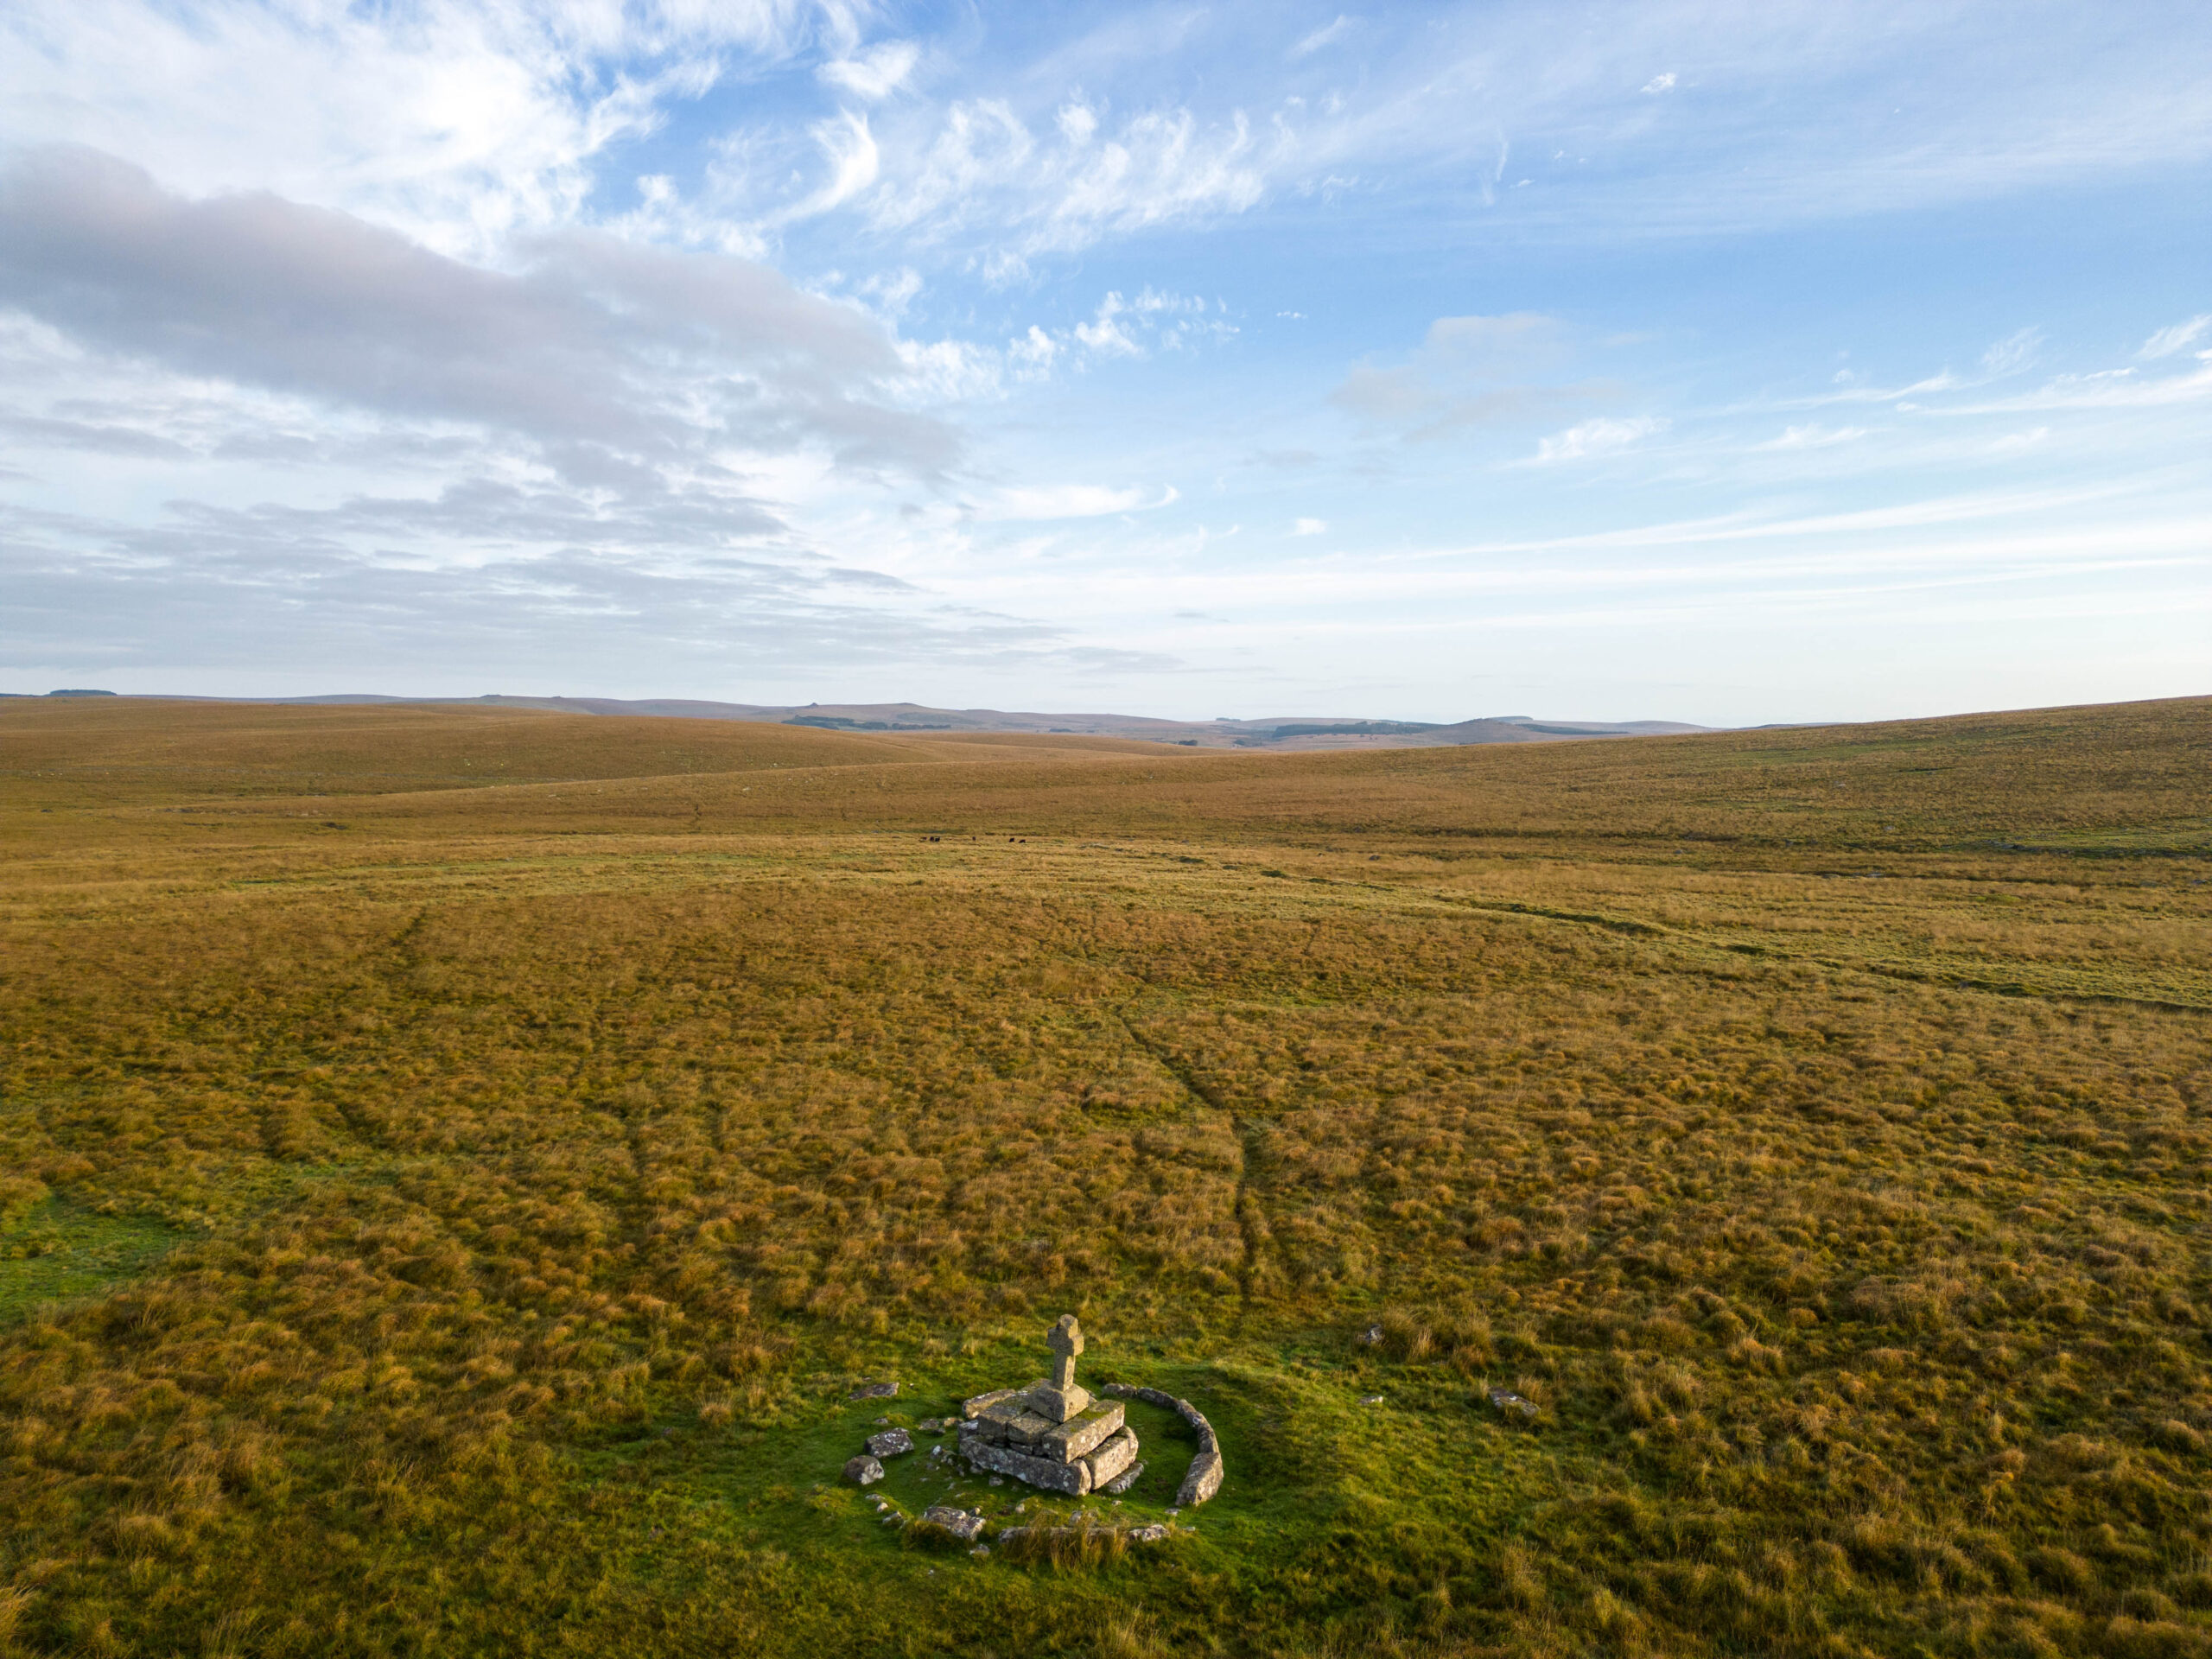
1074 1438
1059 1404
864 1471
1010 1422
977 1404
1072 1478
892 1443
1123 1482
1111 1457
1202 1483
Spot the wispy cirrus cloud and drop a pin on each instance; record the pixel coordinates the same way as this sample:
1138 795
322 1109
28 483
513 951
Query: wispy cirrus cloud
875 73
2102 388
465 123
1063 187
2177 337
1812 436
1587 440
1327 34
461 124
1050 501
2016 352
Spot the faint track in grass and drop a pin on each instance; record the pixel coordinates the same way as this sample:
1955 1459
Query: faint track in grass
1767 953
1251 1225
341 1100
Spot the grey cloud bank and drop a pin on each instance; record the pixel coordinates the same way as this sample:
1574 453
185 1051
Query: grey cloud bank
214 597
594 341
581 436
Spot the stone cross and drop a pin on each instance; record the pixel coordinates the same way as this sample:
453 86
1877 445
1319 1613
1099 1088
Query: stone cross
1066 1340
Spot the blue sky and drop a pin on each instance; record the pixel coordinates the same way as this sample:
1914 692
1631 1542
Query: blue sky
1723 363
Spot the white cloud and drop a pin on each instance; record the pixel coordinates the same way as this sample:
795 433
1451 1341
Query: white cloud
1078 124
1035 350
876 72
1104 334
1660 83
1812 436
1076 501
2016 351
1310 527
1746 526
461 124
1322 37
853 160
1849 392
1120 328
2179 338
1602 437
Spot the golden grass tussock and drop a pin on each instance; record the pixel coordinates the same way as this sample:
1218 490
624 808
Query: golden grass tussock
1068 1549
456 1162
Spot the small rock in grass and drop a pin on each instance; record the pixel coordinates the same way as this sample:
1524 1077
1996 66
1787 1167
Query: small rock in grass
964 1524
1370 1399
998 1480
1374 1337
865 1470
980 1552
892 1443
1513 1405
876 1391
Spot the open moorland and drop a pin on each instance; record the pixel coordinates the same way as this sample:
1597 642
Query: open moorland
455 1164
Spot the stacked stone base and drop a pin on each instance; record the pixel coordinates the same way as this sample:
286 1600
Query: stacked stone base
1060 1442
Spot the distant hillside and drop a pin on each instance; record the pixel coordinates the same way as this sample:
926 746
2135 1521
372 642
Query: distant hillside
1277 731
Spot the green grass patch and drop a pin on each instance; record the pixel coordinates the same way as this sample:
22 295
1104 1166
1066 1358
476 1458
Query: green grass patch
58 1251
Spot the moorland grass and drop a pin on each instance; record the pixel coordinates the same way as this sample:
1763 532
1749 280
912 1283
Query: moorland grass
494 1144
